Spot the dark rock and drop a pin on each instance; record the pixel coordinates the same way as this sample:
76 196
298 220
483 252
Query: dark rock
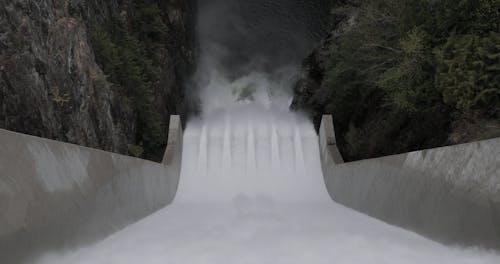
51 85
309 85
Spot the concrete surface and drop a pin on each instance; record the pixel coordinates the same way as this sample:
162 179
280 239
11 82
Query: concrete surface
59 195
450 194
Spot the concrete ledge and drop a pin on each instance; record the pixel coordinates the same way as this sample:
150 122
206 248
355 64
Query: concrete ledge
450 194
55 195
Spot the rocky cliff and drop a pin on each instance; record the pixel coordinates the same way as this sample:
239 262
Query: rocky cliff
53 77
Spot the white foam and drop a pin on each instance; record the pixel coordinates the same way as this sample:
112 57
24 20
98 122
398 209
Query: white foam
252 191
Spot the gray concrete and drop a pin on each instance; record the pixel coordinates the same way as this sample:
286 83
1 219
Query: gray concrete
450 194
55 195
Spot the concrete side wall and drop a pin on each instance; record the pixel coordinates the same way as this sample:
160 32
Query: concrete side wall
450 194
55 195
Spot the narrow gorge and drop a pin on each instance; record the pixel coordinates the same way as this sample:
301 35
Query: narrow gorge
249 131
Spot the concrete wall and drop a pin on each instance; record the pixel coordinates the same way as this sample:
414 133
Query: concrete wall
55 195
450 194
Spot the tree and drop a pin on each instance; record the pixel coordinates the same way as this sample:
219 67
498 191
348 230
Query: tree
468 72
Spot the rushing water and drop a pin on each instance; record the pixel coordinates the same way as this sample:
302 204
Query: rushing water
251 188
251 191
249 153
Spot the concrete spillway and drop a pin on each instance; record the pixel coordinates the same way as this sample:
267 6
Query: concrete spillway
251 191
251 186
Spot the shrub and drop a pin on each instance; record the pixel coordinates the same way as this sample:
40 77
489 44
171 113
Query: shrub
468 72
129 59
135 150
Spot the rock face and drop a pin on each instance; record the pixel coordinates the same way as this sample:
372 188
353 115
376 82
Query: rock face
51 85
313 72
307 88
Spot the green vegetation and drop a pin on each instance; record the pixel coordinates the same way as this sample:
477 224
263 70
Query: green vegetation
135 151
468 71
130 59
405 72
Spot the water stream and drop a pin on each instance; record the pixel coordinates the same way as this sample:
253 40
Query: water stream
251 191
251 188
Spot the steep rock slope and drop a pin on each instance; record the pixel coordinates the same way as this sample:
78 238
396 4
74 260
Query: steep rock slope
52 85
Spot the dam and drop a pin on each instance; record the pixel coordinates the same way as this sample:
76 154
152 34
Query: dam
247 180
252 191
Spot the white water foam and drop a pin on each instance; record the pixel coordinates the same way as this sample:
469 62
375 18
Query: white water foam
250 152
251 191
